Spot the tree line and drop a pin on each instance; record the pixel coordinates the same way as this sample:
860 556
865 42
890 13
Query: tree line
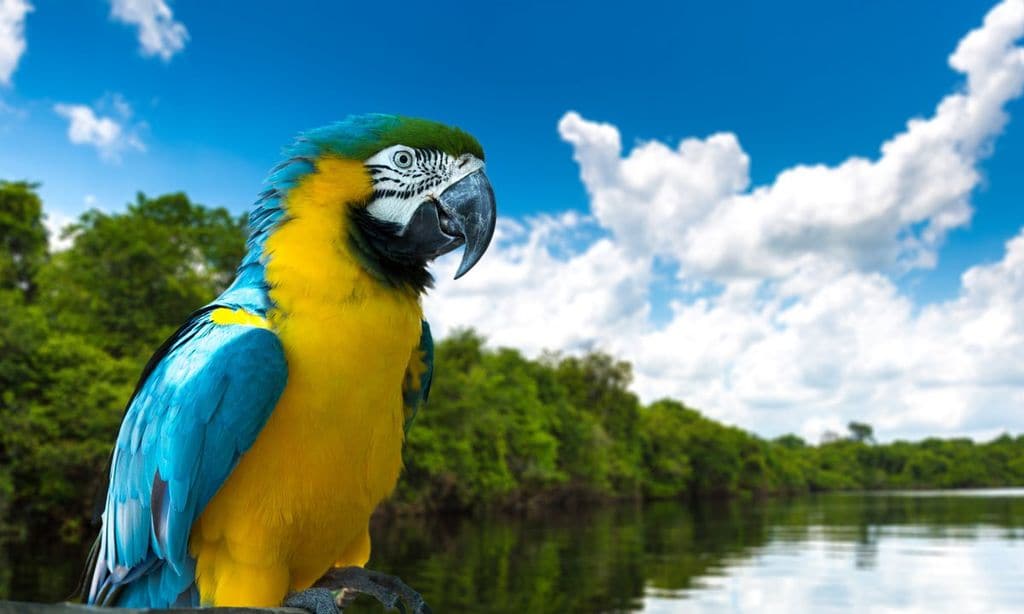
501 430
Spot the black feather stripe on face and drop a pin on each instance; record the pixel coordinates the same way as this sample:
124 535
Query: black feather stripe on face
369 238
401 179
431 168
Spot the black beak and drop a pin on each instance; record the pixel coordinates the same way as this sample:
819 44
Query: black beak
468 210
465 213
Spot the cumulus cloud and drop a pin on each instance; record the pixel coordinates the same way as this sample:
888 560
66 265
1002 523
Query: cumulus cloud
691 202
159 33
110 135
555 301
12 36
805 327
830 344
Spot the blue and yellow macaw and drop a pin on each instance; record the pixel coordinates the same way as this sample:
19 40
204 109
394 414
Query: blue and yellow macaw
265 431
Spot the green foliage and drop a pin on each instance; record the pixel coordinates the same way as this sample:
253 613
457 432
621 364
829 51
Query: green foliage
500 430
77 327
598 387
22 236
667 445
130 279
59 441
491 436
861 432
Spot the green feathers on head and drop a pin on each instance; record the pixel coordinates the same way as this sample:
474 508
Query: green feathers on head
358 137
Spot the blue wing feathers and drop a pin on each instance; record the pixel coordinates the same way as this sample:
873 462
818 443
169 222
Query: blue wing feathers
427 347
198 407
416 397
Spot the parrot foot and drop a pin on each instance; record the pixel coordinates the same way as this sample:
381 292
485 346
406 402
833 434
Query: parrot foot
312 600
389 590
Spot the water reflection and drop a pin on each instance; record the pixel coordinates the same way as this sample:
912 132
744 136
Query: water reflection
898 552
941 552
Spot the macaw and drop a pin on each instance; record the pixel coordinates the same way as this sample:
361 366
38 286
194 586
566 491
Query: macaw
264 432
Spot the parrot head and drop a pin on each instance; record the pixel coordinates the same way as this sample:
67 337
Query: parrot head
425 194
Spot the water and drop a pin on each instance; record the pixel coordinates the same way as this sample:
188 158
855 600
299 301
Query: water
894 552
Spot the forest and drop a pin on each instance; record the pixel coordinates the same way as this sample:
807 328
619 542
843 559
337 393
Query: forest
502 431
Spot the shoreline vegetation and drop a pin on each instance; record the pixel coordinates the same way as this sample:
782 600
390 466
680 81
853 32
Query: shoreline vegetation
500 432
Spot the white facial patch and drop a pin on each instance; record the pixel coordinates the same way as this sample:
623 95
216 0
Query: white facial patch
404 178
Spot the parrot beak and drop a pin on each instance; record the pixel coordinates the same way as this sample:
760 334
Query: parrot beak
463 214
469 211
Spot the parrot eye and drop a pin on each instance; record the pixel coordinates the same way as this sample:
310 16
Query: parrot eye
402 159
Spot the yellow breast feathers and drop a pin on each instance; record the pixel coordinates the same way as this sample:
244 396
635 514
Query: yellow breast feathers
300 498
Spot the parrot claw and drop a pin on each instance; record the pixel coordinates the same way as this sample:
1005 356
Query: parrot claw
312 600
390 591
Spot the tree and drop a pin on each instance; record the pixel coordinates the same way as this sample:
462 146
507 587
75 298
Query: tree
861 432
129 279
666 448
790 441
598 385
75 328
22 236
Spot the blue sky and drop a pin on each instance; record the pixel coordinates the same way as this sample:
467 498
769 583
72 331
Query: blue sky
795 82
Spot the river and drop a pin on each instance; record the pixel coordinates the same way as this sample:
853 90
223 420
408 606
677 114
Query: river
940 551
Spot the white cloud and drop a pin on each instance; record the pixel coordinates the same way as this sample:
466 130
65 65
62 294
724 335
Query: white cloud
56 222
691 202
809 328
12 36
829 345
565 303
109 136
159 33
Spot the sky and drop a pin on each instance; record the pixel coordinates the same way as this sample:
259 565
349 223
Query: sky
789 215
